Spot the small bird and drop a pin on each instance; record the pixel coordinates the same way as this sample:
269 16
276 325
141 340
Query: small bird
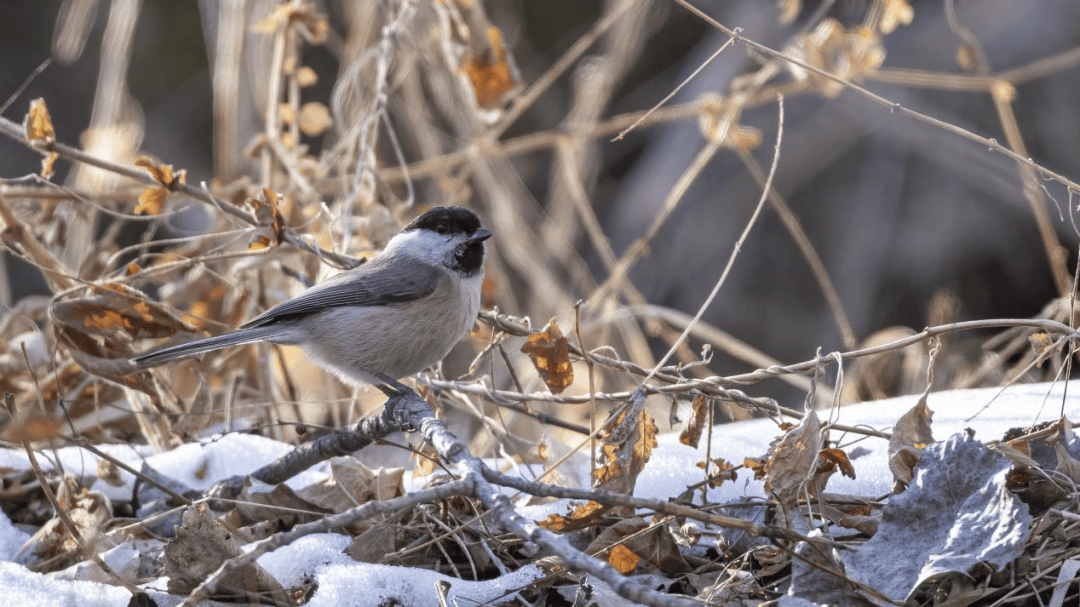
397 314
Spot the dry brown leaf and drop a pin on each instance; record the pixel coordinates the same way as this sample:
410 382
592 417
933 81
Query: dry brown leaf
38 124
1040 343
849 54
47 164
720 470
314 119
151 201
910 436
110 473
622 463
852 515
1018 452
757 465
152 198
691 433
268 213
623 559
838 457
791 459
116 317
89 512
200 546
631 540
259 502
549 351
829 460
38 127
494 79
260 243
162 173
582 516
351 483
374 543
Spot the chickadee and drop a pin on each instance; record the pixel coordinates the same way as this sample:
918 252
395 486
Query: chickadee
397 314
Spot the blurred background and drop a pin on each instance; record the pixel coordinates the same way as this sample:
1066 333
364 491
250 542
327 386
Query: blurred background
380 109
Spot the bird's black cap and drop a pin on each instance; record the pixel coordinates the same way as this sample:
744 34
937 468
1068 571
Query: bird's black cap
446 220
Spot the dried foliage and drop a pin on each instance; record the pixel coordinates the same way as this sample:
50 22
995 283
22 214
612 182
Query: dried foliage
419 114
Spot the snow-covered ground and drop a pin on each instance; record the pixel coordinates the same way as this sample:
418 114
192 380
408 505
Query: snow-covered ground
345 583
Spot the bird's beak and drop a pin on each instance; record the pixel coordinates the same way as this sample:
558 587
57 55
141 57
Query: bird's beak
480 235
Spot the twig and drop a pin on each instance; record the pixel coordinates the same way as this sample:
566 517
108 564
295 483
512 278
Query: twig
86 550
891 105
15 132
406 410
674 91
738 244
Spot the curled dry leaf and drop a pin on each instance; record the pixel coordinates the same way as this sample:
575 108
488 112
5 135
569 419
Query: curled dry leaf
268 213
259 502
549 351
621 463
719 470
117 318
910 436
151 201
351 483
493 76
691 433
152 198
828 461
719 123
581 517
200 546
755 465
1040 343
89 512
792 460
632 540
840 459
38 125
38 128
162 173
849 54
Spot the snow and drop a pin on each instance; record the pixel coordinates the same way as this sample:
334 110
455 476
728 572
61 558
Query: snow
343 582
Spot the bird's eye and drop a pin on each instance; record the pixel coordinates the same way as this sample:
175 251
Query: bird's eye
442 228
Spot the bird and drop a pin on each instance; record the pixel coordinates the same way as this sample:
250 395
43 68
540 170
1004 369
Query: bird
397 314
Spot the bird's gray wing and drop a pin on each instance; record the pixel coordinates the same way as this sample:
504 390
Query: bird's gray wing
376 283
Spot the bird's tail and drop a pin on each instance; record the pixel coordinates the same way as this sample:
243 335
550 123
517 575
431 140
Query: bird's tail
199 346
